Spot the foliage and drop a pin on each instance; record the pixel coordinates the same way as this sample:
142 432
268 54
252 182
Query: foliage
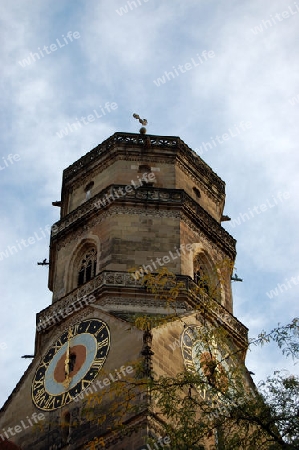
214 404
286 337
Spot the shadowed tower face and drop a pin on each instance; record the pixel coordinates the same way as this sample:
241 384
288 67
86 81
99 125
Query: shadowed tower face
130 206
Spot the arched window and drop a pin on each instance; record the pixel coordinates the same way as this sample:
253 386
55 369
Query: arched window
87 266
205 276
201 277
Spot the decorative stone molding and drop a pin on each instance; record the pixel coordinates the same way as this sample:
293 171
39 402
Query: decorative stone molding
169 146
72 320
135 304
126 281
149 196
116 140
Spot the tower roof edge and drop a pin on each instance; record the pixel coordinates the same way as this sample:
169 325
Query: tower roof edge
137 140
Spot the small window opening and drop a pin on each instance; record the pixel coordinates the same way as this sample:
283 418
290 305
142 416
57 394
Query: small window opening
144 168
206 278
196 192
88 267
88 189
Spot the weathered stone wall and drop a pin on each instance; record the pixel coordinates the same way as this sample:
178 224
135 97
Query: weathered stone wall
127 173
125 349
124 240
199 189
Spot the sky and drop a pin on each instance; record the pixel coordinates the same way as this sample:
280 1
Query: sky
221 75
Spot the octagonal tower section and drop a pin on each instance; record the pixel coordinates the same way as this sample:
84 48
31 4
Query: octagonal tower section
133 204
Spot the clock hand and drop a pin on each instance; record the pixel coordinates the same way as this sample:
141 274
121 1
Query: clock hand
68 379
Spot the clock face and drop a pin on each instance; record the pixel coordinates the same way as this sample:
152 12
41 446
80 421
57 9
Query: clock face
71 364
202 355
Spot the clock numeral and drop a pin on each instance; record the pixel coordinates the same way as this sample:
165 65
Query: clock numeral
44 365
49 403
40 395
57 346
99 330
191 333
85 384
103 343
189 364
87 328
37 384
76 328
187 351
97 364
66 398
40 374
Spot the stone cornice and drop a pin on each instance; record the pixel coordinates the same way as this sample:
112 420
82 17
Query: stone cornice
126 282
211 228
148 196
134 145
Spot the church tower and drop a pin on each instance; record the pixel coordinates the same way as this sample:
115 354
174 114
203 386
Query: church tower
130 206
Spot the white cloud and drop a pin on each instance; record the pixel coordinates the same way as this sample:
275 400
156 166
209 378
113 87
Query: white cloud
116 59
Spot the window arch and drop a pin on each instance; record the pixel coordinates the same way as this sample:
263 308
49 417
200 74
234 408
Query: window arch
205 276
87 266
82 264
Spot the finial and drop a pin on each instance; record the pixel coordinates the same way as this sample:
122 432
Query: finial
142 121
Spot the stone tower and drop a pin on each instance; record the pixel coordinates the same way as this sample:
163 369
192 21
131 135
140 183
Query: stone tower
131 205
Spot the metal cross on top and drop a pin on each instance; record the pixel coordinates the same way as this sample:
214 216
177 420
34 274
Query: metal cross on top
142 121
